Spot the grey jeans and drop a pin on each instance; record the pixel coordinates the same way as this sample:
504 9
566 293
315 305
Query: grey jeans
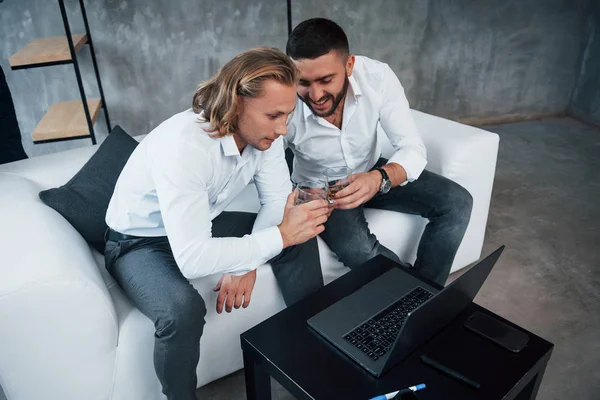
148 274
446 205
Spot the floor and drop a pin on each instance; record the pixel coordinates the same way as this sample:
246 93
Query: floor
546 210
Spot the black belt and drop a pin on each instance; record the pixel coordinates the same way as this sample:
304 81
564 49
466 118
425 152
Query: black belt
117 236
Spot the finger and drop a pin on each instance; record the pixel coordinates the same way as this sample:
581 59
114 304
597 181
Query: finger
357 203
313 232
351 205
318 230
343 202
348 190
315 204
221 300
321 220
324 210
318 205
218 287
319 212
320 216
229 302
238 301
347 205
247 297
291 199
249 289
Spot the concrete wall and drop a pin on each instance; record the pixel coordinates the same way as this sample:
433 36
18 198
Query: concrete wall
151 55
459 59
585 103
466 58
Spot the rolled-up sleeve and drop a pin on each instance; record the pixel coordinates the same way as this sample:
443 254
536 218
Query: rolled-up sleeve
399 125
182 190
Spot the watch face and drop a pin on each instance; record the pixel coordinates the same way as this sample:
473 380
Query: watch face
386 185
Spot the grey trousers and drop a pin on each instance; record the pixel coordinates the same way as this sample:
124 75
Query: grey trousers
148 274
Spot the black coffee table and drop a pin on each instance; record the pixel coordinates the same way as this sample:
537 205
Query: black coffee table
285 348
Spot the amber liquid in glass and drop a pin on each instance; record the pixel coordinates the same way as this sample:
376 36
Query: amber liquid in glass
333 189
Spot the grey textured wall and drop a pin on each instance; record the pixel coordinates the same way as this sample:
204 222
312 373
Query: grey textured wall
468 58
458 58
585 103
151 55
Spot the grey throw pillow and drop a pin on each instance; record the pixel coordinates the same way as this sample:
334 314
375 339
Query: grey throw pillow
83 200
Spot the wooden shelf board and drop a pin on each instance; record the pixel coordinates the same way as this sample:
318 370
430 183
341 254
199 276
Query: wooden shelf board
66 120
47 51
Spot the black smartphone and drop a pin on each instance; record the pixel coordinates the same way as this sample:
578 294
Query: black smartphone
497 331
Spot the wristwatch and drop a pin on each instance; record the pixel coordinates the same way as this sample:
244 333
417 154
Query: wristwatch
386 184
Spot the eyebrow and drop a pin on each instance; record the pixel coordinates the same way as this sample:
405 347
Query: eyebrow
320 79
279 112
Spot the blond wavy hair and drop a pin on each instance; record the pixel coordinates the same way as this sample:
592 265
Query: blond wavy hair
244 75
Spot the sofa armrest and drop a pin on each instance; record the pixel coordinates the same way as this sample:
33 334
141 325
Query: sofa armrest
59 327
467 155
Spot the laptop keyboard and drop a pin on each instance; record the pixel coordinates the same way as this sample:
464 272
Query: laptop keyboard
376 336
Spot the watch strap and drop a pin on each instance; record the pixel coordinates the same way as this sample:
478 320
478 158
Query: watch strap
383 173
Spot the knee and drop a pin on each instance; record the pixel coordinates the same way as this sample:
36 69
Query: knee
354 254
308 249
183 315
460 203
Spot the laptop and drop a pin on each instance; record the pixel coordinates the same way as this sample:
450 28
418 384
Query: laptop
391 316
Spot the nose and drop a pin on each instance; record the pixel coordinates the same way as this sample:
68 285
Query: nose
316 93
281 127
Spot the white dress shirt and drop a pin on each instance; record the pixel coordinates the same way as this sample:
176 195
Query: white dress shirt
179 179
375 95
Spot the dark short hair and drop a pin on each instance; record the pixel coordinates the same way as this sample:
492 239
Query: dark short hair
316 37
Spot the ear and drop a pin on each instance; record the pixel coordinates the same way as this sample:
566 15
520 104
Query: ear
239 102
350 65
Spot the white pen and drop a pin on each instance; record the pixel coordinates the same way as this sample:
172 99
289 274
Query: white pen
390 396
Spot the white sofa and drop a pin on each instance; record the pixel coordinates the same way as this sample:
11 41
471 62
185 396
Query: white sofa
67 331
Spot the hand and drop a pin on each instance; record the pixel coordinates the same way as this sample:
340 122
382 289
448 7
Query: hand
303 222
331 208
321 192
233 289
364 186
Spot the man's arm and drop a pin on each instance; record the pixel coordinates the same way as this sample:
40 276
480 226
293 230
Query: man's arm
396 119
182 190
273 185
410 158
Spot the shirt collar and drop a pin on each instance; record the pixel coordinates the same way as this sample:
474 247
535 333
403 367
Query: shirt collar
229 147
353 90
354 86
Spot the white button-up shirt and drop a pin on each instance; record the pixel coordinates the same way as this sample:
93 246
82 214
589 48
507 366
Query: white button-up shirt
375 95
179 179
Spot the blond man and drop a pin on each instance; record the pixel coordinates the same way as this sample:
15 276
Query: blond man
166 218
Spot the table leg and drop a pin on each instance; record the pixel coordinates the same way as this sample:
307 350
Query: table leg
258 381
530 391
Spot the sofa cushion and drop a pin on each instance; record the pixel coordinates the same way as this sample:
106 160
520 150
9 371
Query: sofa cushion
84 199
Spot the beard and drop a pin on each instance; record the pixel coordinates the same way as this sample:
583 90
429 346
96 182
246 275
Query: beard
337 99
